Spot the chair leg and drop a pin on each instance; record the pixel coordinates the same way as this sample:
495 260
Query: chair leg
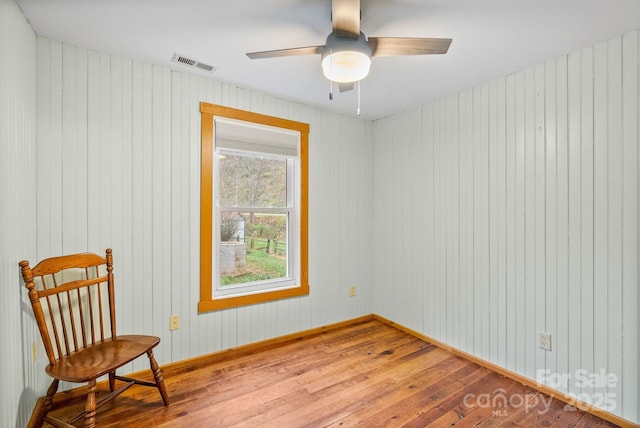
48 402
112 381
90 407
157 375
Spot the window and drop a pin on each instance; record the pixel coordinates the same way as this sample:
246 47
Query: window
253 234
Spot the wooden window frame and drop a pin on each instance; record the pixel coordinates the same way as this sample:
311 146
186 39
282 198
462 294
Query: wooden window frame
208 302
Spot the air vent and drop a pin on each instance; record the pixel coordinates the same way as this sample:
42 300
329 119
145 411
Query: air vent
192 62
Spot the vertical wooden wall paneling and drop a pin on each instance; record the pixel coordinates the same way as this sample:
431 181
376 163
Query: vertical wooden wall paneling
329 169
49 207
510 220
43 128
149 186
439 286
101 229
600 210
429 216
630 382
493 172
179 204
501 223
575 277
18 179
116 176
463 221
126 287
520 210
162 222
530 212
70 149
482 190
318 206
407 125
94 155
440 150
586 245
614 218
563 302
453 258
445 228
397 196
540 217
467 143
139 281
420 232
549 322
352 181
479 306
189 130
55 151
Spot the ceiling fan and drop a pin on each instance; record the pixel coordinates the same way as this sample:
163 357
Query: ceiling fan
346 55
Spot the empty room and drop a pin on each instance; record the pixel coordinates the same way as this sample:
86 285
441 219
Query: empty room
323 213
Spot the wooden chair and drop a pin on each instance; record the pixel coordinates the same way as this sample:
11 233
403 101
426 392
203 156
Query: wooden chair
73 302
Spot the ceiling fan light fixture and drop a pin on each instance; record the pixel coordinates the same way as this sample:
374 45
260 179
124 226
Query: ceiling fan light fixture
346 67
346 60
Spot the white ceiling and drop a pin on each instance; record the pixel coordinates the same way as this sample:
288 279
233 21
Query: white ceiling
491 38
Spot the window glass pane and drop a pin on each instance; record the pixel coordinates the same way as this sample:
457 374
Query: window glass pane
253 247
252 179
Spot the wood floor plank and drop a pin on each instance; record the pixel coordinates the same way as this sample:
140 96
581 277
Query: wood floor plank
367 374
421 391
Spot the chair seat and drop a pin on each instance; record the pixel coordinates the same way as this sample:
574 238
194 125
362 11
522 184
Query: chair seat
99 359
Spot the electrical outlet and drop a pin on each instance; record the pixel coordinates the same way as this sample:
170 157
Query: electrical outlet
174 322
352 291
544 341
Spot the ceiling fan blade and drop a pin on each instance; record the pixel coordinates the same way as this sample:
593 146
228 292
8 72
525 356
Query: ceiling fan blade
345 18
344 87
394 46
309 50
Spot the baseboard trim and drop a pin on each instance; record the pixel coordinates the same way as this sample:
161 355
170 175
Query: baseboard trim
603 414
234 352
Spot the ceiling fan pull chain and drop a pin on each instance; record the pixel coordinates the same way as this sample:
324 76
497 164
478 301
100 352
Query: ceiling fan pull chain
331 83
358 112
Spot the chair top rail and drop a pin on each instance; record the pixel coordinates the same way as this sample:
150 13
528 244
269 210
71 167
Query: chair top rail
56 264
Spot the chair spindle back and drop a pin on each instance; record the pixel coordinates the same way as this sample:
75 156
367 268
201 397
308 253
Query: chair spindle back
73 301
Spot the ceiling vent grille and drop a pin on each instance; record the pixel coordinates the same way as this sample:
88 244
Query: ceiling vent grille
192 62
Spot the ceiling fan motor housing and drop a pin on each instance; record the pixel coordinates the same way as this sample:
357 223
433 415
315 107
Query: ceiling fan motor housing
346 59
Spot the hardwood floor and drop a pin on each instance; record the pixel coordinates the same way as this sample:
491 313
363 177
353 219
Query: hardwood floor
367 374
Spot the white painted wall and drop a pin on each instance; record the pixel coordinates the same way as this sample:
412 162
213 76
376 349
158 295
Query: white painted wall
512 208
17 209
